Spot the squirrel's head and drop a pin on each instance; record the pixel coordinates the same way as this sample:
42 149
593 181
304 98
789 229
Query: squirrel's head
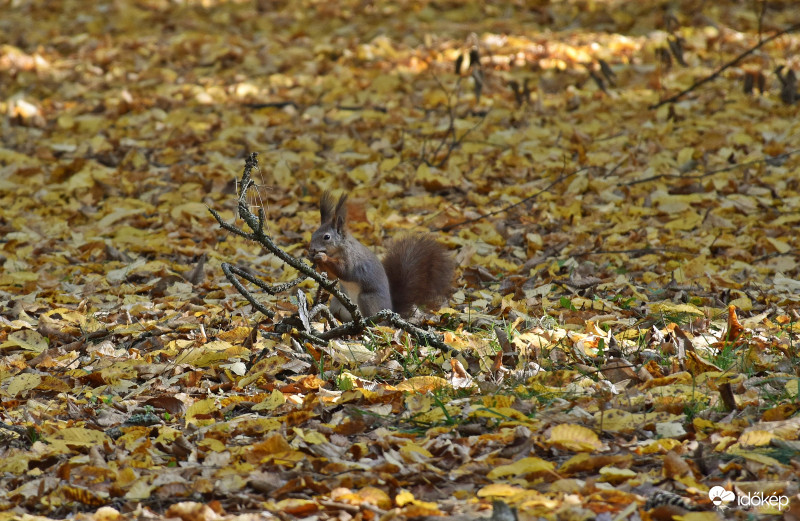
331 231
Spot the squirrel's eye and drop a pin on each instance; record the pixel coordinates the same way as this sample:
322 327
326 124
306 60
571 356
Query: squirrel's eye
327 236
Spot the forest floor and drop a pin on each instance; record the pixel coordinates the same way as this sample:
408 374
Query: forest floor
618 181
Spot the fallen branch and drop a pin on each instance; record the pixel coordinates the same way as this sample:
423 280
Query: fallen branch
387 315
233 273
256 224
22 432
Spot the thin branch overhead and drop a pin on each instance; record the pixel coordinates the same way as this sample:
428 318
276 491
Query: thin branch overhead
726 66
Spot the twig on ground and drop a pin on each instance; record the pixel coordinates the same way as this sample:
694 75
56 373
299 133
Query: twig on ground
21 431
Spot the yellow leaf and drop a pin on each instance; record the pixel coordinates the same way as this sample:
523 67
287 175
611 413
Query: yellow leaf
259 425
736 450
575 437
363 173
411 449
12 157
422 384
375 496
296 507
663 446
18 278
117 215
385 83
744 303
793 387
500 413
23 382
282 174
498 400
616 475
275 400
685 155
755 438
15 462
668 307
576 463
99 144
697 366
433 179
404 497
310 436
201 408
389 164
524 466
740 138
418 403
274 447
26 339
190 209
79 436
140 489
436 414
499 490
235 335
212 444
688 221
616 420
780 246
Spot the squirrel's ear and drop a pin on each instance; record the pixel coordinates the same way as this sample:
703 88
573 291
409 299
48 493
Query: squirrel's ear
340 214
325 207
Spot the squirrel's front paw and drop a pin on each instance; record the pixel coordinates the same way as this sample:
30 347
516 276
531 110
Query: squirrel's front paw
319 257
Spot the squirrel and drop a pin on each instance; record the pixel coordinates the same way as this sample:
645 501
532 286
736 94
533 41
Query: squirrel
416 270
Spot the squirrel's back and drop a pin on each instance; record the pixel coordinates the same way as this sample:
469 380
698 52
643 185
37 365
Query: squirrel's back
420 272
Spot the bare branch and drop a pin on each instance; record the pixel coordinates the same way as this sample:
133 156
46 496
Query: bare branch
387 315
356 326
256 224
228 270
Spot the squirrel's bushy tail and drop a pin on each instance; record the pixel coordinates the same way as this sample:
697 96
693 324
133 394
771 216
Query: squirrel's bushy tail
420 272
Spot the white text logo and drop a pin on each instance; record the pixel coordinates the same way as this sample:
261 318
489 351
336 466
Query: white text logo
720 496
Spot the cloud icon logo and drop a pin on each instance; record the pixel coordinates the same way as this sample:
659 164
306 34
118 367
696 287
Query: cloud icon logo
719 495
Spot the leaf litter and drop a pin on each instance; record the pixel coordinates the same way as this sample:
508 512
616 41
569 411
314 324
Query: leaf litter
625 322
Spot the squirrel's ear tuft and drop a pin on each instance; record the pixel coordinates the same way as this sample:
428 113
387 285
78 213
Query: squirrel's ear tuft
326 207
340 213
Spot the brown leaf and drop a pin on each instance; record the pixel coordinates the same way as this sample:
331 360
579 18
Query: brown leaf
616 370
734 327
675 466
170 404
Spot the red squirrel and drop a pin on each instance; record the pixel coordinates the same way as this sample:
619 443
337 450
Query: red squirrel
416 270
